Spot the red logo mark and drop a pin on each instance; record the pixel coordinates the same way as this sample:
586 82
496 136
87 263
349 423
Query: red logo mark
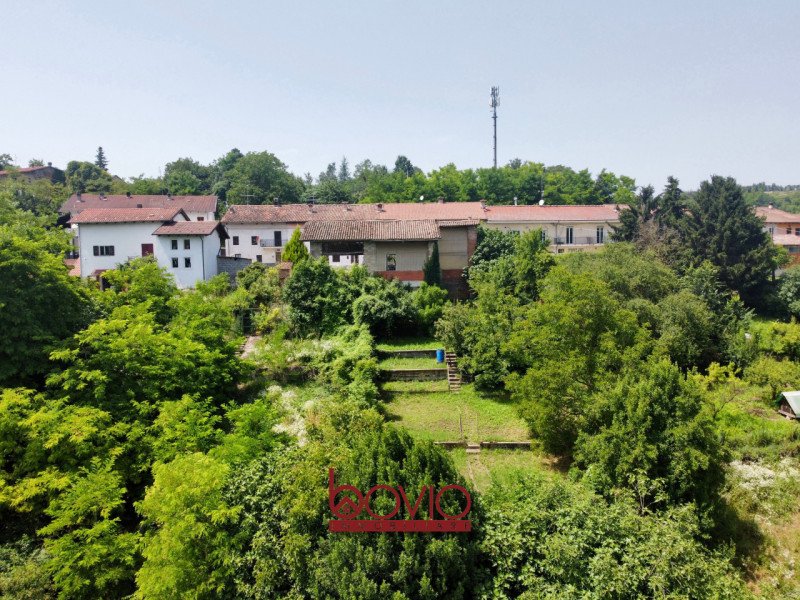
348 508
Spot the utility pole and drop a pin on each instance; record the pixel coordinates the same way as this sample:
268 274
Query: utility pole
494 104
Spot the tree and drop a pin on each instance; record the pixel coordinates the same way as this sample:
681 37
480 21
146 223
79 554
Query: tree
432 269
295 250
87 177
652 434
344 170
789 291
313 294
550 538
189 548
100 160
492 244
260 178
40 305
6 161
722 228
403 166
36 162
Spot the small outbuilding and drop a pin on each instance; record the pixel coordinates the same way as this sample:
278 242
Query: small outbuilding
789 405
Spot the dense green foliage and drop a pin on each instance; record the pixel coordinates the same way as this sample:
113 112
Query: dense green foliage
295 250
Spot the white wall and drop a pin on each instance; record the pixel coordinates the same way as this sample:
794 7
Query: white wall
127 239
266 231
583 233
202 253
193 216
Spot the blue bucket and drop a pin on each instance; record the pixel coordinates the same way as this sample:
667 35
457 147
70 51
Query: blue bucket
440 356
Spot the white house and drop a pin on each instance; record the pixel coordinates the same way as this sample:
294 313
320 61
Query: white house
568 228
111 236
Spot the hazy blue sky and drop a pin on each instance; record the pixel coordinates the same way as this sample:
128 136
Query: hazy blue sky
643 88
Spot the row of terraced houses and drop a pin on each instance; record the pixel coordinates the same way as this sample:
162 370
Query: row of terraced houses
393 240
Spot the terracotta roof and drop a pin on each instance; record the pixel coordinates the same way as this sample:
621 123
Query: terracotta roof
394 211
385 231
188 228
74 205
27 170
297 213
776 215
126 215
786 239
459 223
436 211
551 213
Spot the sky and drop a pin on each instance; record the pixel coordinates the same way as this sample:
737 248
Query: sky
642 88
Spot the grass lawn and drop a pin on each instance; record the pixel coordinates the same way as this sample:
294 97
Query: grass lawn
428 411
411 363
497 466
409 343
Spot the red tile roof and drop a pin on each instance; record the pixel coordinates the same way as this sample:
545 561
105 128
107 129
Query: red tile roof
776 215
303 213
74 205
552 213
27 170
187 228
384 231
126 215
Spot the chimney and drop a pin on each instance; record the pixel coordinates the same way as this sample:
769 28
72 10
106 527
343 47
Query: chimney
49 164
102 196
380 207
515 200
139 206
310 206
78 194
276 201
128 194
483 204
440 200
169 195
770 206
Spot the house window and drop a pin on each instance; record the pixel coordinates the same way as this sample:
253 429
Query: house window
600 236
278 239
187 244
788 231
235 241
797 230
201 218
174 244
793 249
336 258
544 235
174 263
569 235
254 240
277 256
259 258
187 262
391 262
103 250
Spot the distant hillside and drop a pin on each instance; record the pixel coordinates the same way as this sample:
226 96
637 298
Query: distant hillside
785 197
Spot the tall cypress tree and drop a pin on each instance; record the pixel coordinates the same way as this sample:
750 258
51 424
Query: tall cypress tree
100 160
721 228
432 270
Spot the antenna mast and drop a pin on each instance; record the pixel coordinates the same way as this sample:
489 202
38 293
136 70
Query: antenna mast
494 104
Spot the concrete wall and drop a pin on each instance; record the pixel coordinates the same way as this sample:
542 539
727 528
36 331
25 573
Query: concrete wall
266 232
454 248
410 256
126 238
584 234
231 266
202 253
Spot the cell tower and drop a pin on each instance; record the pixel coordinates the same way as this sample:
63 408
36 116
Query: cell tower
494 105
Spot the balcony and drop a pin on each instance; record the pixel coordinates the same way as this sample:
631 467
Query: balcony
577 240
269 244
